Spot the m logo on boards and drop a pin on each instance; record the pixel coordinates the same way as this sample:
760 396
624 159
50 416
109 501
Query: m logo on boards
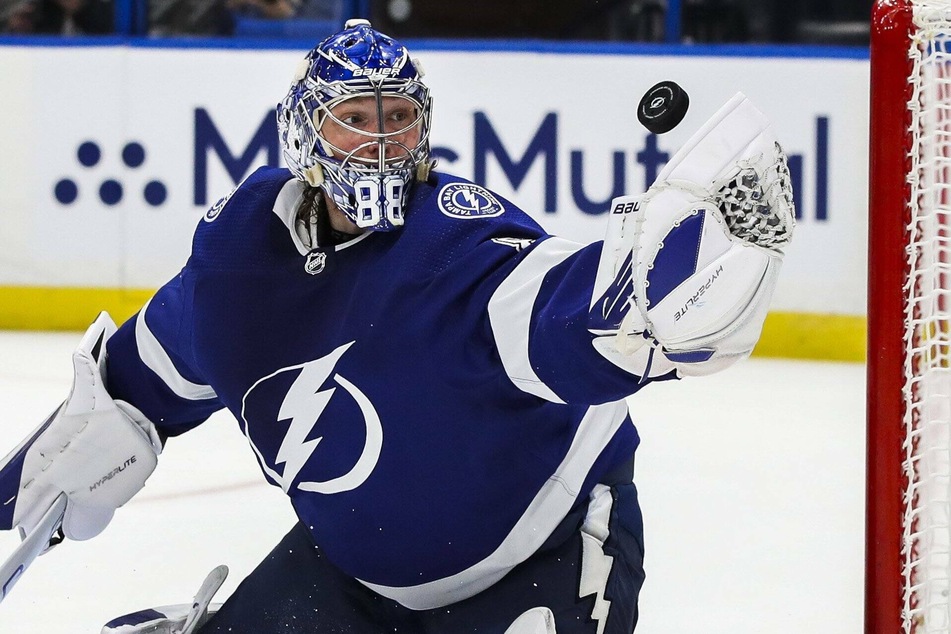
545 153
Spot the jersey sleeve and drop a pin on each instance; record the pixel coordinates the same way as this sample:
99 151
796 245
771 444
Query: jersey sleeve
152 366
153 361
541 322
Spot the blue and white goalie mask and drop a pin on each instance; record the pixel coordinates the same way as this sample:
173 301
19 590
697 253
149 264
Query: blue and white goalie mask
356 123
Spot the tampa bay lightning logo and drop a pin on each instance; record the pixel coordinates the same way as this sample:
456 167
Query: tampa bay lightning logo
465 200
315 406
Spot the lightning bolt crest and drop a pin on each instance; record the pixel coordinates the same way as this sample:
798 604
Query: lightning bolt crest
303 405
595 563
470 198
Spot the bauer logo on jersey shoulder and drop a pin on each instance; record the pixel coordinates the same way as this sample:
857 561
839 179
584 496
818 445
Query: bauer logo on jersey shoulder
465 200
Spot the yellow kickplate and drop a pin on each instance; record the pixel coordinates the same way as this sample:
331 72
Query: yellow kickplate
785 335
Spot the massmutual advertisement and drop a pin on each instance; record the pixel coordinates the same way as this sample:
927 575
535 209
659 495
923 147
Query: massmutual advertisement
109 156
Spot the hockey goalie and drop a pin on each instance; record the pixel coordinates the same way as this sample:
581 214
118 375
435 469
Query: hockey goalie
436 383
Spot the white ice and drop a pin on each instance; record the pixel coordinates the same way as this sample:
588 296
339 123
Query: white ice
751 481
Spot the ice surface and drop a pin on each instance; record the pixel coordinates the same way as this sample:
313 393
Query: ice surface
752 484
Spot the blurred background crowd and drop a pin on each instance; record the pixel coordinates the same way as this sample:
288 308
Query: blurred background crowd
841 22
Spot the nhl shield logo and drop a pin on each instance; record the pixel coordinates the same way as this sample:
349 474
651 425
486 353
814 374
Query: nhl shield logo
316 262
465 200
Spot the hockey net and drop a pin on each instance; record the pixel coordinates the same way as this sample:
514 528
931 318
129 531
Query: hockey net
908 577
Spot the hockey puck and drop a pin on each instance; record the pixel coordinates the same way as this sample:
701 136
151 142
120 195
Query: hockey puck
663 107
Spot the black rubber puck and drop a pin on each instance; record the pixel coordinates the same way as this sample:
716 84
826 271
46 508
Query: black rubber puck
663 107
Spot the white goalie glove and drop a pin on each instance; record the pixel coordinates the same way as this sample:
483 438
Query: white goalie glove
95 450
690 266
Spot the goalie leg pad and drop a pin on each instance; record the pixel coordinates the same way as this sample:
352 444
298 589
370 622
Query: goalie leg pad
174 619
169 619
538 620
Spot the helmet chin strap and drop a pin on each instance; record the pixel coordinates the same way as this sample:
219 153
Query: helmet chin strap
423 169
314 175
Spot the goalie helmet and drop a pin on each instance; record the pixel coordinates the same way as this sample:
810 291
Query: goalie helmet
371 182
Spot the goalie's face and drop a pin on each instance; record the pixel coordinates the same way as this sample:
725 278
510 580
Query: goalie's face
365 131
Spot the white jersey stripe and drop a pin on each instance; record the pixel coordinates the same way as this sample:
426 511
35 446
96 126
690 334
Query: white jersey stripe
286 208
542 516
510 313
153 355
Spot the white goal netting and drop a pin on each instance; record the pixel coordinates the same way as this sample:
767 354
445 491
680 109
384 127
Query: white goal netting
926 544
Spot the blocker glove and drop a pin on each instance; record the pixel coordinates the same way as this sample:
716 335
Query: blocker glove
96 450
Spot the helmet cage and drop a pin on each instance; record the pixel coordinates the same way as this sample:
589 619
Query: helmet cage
372 192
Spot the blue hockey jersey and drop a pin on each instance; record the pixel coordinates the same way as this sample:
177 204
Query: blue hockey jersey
428 398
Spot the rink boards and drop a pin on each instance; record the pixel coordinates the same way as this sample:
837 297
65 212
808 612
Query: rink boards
111 154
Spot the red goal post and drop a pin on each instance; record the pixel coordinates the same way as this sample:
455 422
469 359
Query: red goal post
908 535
